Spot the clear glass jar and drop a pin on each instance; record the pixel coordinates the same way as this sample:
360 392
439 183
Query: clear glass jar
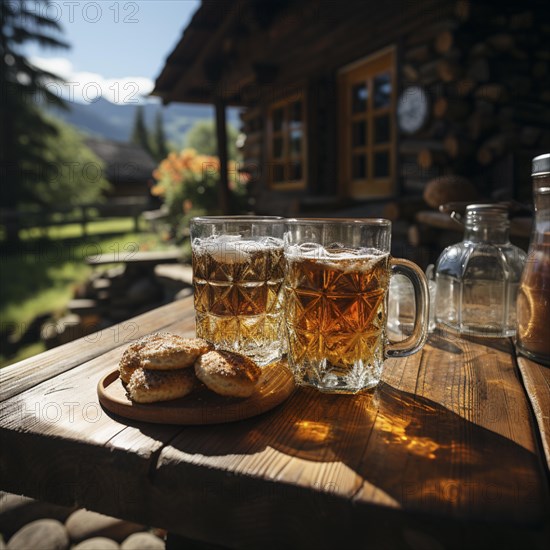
533 306
477 279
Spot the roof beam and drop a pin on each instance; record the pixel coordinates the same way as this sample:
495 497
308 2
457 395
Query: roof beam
195 74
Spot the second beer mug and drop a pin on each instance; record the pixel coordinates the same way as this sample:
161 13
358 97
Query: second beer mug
238 270
338 274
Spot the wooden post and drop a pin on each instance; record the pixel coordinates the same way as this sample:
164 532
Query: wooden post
221 136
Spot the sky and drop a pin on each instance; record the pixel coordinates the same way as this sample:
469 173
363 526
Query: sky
118 48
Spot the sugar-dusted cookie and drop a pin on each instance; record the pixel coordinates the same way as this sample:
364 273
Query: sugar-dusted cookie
147 386
165 351
228 373
131 359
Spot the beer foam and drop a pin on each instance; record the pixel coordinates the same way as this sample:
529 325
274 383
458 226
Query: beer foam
270 242
233 249
366 258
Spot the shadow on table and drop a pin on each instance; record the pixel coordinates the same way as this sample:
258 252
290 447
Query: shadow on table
453 342
420 454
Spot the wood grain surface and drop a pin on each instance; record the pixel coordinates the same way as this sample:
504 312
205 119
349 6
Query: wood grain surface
445 453
536 379
202 406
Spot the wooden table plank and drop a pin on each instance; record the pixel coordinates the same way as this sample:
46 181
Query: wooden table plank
30 372
536 378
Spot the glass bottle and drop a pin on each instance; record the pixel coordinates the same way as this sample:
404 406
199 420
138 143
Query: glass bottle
533 306
477 279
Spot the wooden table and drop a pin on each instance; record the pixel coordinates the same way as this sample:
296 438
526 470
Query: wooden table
450 451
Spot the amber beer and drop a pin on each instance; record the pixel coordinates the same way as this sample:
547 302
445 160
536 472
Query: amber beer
338 272
336 316
238 294
533 303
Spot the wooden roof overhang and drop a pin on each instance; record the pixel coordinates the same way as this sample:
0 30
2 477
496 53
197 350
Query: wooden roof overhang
236 51
196 71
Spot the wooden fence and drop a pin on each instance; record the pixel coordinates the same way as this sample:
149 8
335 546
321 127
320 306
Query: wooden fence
25 218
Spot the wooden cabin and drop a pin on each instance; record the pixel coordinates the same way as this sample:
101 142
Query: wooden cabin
128 167
351 102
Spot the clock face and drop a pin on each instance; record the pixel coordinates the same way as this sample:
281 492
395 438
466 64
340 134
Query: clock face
412 109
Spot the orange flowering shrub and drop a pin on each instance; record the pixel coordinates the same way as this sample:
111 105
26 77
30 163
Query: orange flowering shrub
187 182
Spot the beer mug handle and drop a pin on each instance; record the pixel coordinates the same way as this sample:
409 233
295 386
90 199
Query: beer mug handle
417 339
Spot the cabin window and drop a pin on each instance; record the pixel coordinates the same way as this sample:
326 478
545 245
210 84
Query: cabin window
286 143
367 126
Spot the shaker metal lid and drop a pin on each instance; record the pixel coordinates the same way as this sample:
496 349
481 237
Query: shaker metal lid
486 207
541 165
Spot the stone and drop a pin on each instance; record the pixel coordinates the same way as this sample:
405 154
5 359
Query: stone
84 524
97 543
16 511
143 541
46 534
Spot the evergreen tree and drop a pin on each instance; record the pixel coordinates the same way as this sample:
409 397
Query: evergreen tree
159 147
73 174
23 128
140 135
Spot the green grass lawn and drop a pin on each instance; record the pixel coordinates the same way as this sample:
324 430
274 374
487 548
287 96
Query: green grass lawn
74 230
41 276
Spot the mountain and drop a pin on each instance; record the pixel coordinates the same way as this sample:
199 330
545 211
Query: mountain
115 122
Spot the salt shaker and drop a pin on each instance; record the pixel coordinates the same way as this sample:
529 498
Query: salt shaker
477 279
533 305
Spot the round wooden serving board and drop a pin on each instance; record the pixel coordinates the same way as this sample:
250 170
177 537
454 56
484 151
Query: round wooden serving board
202 406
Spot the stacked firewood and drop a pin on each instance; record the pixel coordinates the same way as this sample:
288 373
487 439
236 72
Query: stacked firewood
487 74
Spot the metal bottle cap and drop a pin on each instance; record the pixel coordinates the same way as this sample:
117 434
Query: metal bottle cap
491 208
541 165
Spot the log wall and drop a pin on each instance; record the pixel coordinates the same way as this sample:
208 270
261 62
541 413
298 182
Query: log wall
485 68
487 73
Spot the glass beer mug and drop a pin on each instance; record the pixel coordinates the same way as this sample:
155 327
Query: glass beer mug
238 270
335 291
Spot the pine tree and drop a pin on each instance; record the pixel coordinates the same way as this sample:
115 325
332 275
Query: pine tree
140 135
23 128
159 138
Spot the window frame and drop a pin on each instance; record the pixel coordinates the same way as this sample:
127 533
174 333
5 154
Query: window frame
364 71
285 133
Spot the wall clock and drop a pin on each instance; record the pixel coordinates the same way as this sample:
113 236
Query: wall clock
412 109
